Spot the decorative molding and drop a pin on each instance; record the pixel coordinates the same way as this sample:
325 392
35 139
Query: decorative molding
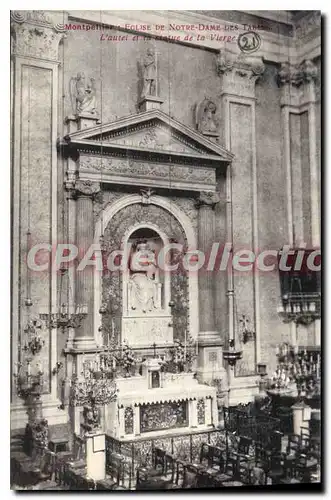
190 236
153 137
93 139
188 206
146 196
34 35
155 171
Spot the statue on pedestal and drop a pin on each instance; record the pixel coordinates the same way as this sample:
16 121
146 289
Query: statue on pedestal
150 74
83 94
144 281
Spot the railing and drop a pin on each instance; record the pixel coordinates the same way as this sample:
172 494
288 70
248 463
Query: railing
257 427
140 452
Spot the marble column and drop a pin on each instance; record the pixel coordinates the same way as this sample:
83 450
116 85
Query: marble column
85 192
206 233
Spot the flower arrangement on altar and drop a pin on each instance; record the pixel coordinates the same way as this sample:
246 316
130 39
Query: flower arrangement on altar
181 357
126 359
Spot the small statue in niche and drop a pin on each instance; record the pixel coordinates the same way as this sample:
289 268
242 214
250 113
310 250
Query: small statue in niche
144 279
83 94
205 118
149 74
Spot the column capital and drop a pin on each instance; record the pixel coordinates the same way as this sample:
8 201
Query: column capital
208 199
239 74
84 188
35 34
297 82
297 74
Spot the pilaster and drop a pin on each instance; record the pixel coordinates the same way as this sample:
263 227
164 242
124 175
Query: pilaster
84 192
298 101
206 234
35 39
297 85
238 78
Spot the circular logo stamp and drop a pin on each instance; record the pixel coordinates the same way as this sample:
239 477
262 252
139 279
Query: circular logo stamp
249 42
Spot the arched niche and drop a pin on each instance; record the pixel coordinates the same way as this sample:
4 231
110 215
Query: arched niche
175 218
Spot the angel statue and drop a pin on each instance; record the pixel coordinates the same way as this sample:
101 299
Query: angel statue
83 94
205 117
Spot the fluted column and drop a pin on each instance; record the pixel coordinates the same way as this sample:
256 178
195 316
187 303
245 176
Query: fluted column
85 192
206 232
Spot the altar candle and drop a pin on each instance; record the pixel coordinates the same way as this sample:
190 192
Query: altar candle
29 369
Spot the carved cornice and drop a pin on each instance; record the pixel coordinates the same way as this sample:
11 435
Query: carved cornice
208 199
298 74
35 35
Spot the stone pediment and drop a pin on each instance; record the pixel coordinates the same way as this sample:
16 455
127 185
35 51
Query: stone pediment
151 131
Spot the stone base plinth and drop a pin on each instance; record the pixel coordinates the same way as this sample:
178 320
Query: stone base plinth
150 102
210 361
76 123
96 455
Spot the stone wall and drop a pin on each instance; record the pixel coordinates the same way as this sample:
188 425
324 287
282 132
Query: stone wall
42 70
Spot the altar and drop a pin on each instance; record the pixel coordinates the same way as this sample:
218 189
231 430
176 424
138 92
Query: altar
158 403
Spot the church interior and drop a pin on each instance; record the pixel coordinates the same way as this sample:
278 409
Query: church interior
166 296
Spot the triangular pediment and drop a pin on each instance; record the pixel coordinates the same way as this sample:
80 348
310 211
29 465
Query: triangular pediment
152 131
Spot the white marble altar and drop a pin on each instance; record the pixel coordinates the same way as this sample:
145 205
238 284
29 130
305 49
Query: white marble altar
159 403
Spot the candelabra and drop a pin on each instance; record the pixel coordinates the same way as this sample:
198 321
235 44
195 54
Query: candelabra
28 384
30 387
300 308
93 391
64 318
35 342
297 369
